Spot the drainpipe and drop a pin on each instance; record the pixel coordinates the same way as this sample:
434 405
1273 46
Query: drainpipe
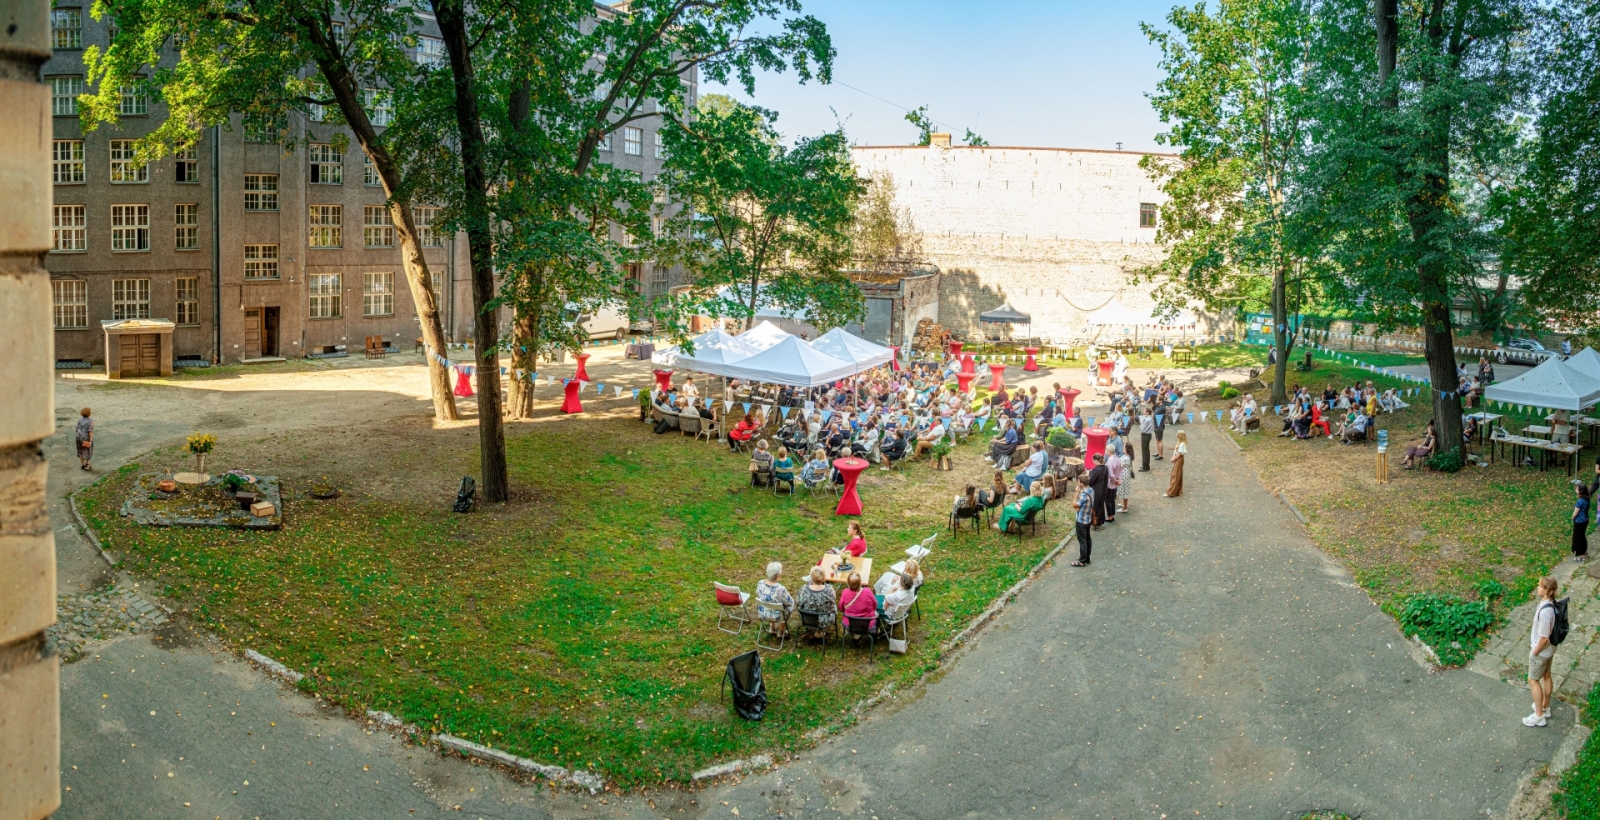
216 244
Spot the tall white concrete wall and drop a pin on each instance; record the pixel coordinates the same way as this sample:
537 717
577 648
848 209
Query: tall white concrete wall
1053 231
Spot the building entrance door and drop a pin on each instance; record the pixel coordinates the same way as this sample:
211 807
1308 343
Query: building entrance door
252 333
269 332
141 354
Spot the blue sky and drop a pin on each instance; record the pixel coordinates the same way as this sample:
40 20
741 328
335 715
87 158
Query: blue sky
1067 74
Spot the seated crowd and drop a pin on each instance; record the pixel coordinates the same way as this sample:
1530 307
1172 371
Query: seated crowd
891 596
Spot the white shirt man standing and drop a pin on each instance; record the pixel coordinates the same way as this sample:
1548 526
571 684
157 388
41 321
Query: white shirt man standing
1541 653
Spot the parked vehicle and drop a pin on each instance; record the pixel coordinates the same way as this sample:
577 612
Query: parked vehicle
610 321
1520 349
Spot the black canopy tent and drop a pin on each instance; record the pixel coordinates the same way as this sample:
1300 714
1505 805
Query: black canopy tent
1007 315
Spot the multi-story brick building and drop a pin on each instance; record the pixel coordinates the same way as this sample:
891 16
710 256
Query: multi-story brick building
252 249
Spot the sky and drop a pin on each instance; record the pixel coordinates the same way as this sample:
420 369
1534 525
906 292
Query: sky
1068 74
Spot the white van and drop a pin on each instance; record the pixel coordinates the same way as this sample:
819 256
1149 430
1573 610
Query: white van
610 321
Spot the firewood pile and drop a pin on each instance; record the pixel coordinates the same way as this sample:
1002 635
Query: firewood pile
928 336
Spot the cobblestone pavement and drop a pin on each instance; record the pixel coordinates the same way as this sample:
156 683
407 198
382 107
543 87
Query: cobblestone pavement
1577 663
106 613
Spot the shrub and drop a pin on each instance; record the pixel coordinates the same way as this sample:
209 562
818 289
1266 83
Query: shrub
1223 385
1061 438
1229 393
1489 589
1449 461
1453 627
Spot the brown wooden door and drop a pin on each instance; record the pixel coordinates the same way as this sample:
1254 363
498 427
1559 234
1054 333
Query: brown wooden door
141 354
252 333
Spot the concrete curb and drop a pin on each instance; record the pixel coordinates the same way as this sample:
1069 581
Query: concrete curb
587 780
1284 497
1005 599
83 525
273 667
733 766
1566 755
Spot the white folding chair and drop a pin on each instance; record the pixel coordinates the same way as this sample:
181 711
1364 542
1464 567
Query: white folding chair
734 605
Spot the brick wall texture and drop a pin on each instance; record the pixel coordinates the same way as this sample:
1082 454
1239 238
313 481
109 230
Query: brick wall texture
1056 232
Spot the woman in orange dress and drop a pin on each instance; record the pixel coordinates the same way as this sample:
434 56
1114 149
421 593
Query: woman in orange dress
1175 486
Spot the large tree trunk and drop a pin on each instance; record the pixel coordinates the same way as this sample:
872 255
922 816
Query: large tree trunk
524 362
495 482
347 93
1280 337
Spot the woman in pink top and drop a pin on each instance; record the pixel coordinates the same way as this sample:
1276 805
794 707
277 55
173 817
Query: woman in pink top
858 602
858 541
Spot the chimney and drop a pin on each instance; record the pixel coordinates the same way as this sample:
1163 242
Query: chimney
938 140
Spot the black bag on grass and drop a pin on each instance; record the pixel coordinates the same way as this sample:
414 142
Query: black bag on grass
749 691
467 495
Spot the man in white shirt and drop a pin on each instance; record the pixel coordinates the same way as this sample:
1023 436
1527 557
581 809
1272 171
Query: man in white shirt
1541 653
1147 428
1038 460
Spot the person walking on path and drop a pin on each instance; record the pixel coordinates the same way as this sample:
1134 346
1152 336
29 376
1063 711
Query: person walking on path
1147 429
1175 485
1114 473
1097 482
1125 484
1085 519
85 438
1580 523
1541 653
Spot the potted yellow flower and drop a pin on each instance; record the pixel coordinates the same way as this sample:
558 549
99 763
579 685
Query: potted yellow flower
200 444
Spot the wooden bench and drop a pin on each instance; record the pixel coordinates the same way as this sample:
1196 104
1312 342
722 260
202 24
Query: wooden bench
376 349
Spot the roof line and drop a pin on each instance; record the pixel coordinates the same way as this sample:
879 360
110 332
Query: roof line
1019 148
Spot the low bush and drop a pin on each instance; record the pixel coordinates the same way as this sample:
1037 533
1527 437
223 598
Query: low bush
1229 393
1061 438
1453 627
1449 461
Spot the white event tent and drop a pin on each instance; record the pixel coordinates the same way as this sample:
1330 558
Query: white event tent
764 335
1586 361
794 363
851 348
1555 385
712 349
765 353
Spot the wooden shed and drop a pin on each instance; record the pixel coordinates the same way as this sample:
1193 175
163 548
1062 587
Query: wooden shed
138 347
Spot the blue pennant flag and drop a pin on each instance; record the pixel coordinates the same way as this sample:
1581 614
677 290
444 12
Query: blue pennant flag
636 393
600 389
746 406
826 414
785 411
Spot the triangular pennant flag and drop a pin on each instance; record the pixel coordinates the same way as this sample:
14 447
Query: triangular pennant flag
727 406
766 410
826 415
635 392
599 389
708 404
784 411
619 392
746 406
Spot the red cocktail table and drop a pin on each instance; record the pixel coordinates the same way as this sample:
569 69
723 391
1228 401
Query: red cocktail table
955 348
1105 370
997 381
571 404
968 365
582 374
894 360
1032 363
664 380
1097 444
850 501
964 381
1068 394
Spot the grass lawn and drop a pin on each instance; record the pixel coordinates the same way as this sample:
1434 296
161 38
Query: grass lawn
1424 532
574 626
1578 795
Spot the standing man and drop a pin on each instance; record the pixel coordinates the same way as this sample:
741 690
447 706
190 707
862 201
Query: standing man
1542 653
1147 428
1098 476
1085 518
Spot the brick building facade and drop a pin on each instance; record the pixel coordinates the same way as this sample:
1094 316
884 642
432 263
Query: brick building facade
306 259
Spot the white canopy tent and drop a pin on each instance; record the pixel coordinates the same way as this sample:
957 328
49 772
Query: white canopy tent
851 348
1114 313
713 350
794 363
1586 361
1555 385
764 335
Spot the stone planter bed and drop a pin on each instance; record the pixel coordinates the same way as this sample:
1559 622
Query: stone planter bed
202 505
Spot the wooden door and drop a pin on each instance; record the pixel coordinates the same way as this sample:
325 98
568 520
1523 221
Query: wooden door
140 354
252 333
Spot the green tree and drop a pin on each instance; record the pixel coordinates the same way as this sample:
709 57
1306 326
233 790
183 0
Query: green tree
974 140
885 237
765 223
1234 97
1408 99
207 60
919 117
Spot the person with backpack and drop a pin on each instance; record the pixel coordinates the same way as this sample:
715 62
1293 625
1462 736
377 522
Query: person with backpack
1549 630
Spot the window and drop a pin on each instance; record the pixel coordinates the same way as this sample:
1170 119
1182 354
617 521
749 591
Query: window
632 141
425 216
658 278
325 296
377 229
379 109
188 289
377 294
66 162
69 302
661 147
130 298
130 228
1147 214
133 102
327 226
261 261
66 28
261 192
262 129
186 163
327 165
338 31
436 284
186 219
123 169
605 143
64 93
67 229
430 51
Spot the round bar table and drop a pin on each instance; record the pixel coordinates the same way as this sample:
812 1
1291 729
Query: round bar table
964 381
1068 395
849 500
955 348
1105 370
663 380
968 364
1096 436
583 358
1032 363
894 359
571 404
463 383
997 380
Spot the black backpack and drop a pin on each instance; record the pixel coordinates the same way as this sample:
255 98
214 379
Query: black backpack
467 495
1558 630
749 690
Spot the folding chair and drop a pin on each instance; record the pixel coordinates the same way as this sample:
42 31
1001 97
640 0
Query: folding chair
862 628
768 616
776 480
920 551
733 605
897 616
811 623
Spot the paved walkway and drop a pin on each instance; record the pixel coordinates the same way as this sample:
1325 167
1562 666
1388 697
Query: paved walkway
1210 663
1577 664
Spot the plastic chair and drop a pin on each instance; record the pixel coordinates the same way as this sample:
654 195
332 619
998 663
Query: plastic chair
734 605
780 617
